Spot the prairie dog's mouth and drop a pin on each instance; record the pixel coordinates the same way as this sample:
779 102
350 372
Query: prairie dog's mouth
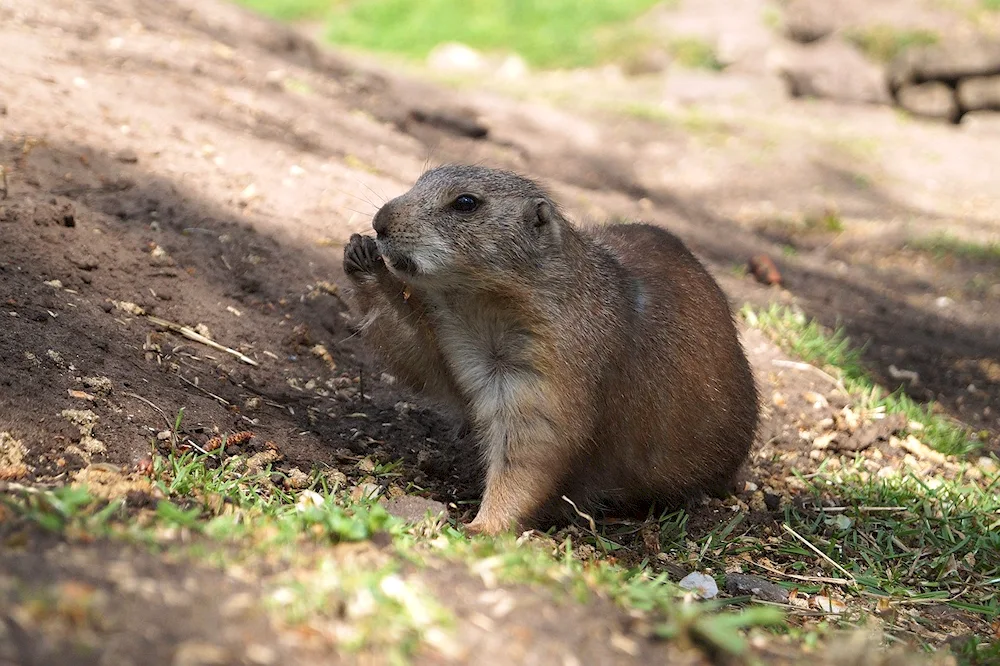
403 264
398 261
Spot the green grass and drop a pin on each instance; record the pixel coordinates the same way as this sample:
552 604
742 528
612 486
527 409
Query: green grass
834 352
929 539
550 34
249 519
694 53
828 221
555 33
693 120
991 5
884 43
945 245
905 541
290 10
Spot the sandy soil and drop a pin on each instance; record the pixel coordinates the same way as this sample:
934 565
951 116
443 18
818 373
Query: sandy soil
192 162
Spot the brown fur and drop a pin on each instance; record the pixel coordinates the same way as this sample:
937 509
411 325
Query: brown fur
603 365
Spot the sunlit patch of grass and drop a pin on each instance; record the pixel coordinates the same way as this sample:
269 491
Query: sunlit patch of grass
364 601
899 543
694 121
694 53
884 42
556 33
290 10
945 245
827 221
834 352
926 539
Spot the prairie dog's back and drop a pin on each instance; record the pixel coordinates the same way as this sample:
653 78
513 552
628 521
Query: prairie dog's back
682 391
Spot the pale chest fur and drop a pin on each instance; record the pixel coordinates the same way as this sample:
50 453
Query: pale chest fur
491 358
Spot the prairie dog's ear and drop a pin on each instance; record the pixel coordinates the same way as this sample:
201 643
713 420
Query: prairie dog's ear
544 217
544 213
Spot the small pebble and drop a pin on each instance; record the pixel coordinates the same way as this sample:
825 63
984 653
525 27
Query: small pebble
127 156
742 584
702 584
193 653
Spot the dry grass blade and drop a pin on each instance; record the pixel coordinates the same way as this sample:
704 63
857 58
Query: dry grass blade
798 365
170 424
219 398
807 579
590 520
820 553
191 334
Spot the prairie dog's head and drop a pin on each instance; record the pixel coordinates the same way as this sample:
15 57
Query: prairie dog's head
467 222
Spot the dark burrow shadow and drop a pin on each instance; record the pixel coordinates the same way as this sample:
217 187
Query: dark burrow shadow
95 236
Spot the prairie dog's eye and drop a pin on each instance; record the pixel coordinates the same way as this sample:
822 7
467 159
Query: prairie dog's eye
465 203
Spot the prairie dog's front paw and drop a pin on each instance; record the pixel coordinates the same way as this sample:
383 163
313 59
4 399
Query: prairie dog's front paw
491 525
362 256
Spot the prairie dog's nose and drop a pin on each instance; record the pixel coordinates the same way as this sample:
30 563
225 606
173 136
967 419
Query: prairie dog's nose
380 223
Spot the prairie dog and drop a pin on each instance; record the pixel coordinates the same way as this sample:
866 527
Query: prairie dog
599 364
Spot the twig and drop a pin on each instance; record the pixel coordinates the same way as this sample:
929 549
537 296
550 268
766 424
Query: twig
191 334
864 509
794 610
205 391
819 552
797 365
808 579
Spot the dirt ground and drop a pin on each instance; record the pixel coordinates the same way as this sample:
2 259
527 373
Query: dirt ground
193 162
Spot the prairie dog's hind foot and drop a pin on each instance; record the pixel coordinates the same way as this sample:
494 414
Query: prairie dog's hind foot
361 255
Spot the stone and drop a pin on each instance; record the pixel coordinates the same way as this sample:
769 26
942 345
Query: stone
948 63
513 68
832 69
82 260
414 509
455 57
127 156
807 21
930 100
982 122
743 584
194 653
701 584
979 93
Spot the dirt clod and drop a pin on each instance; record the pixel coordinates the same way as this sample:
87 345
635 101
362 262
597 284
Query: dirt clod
763 269
12 458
